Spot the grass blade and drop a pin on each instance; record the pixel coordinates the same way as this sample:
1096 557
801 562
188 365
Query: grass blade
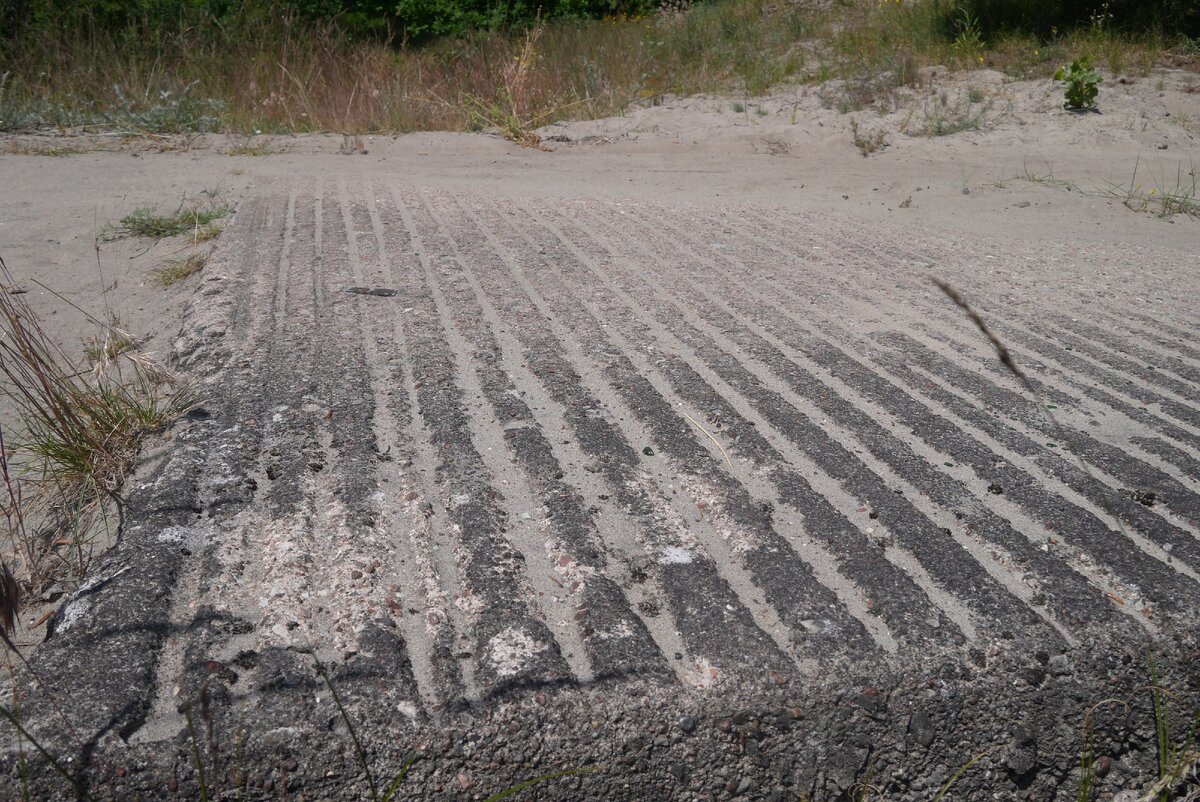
961 770
358 747
197 761
66 775
398 779
519 787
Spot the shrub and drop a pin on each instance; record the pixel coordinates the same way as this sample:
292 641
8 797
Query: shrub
1045 18
399 20
1083 83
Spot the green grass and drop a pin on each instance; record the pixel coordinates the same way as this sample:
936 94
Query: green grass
148 223
1169 196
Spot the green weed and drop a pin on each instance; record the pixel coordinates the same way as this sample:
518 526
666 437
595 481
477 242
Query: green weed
1166 199
1083 83
150 224
968 40
513 112
1047 179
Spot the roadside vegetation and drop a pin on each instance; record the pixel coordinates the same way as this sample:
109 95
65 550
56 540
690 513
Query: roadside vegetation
194 219
255 68
81 423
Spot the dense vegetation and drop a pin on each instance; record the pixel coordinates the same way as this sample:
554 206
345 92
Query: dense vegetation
419 20
271 66
1047 18
395 20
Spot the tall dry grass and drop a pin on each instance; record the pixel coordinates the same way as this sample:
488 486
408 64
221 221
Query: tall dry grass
82 423
275 72
286 75
278 73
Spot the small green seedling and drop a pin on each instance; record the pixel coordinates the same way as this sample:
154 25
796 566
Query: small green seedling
1083 83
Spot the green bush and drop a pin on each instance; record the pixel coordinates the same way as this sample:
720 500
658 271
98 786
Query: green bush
419 20
400 20
1083 83
1045 18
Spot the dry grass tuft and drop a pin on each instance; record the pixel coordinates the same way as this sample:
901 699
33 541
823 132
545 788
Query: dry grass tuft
82 425
204 234
867 142
249 146
18 148
173 271
109 345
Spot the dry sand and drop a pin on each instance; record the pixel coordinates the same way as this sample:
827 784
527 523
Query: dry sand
890 513
788 149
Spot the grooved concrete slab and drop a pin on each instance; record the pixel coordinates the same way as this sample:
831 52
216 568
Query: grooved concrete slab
728 500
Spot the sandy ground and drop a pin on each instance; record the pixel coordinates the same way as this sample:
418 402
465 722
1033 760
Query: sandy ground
849 506
793 150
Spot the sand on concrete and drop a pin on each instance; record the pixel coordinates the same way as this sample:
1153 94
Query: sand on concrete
648 273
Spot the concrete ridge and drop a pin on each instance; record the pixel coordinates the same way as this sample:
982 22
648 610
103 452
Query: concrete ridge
609 457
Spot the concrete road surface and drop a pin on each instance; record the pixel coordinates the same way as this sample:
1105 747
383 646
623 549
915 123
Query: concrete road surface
722 500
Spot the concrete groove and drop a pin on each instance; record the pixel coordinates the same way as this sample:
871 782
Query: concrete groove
989 362
1113 474
953 565
1180 367
1129 473
582 448
733 539
1056 387
1174 456
930 488
765 472
616 638
743 532
902 603
864 426
509 645
1170 408
1085 368
1095 346
426 575
687 548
